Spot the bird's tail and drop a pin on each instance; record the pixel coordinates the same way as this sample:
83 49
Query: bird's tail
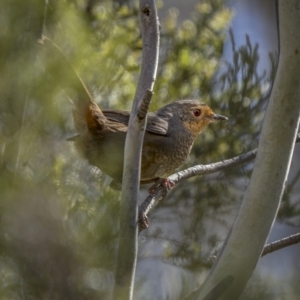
90 120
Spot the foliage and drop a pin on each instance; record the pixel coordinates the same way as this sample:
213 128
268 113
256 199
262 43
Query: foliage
59 218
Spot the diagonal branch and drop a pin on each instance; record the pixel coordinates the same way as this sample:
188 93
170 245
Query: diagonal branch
280 244
156 193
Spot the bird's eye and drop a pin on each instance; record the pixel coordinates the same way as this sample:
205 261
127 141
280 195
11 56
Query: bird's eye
197 112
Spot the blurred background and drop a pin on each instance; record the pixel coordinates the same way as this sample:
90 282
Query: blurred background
59 218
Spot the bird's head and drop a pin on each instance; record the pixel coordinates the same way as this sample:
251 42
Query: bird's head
195 115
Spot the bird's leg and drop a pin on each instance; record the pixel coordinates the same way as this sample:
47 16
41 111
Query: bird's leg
158 191
163 184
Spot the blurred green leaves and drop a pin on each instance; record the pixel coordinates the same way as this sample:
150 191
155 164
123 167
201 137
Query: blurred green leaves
59 218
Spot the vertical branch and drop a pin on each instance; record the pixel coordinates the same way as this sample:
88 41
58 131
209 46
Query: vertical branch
248 235
127 252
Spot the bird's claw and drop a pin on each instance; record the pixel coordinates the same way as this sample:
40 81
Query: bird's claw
164 184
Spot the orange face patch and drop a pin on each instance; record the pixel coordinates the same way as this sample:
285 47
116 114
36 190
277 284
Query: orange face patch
198 118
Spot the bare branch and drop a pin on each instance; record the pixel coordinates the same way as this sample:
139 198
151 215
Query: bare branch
156 193
285 242
127 252
277 245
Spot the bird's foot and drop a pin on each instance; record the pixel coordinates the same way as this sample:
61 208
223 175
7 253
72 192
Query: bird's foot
164 184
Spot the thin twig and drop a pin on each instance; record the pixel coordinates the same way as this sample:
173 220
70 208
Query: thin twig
45 18
277 245
71 75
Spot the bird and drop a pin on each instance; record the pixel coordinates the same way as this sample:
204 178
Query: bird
169 136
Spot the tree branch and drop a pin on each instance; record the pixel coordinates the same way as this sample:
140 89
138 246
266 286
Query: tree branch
127 252
277 245
156 193
246 239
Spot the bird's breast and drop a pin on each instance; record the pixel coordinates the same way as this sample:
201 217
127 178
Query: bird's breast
162 155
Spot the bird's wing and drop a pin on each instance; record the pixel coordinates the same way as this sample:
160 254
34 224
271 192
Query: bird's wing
121 116
155 124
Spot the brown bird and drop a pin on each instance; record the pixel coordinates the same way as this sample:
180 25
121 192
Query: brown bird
169 137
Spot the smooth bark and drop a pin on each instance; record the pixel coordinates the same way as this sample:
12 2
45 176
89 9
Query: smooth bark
127 252
245 243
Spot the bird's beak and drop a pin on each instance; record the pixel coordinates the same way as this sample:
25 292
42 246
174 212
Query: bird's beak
216 117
